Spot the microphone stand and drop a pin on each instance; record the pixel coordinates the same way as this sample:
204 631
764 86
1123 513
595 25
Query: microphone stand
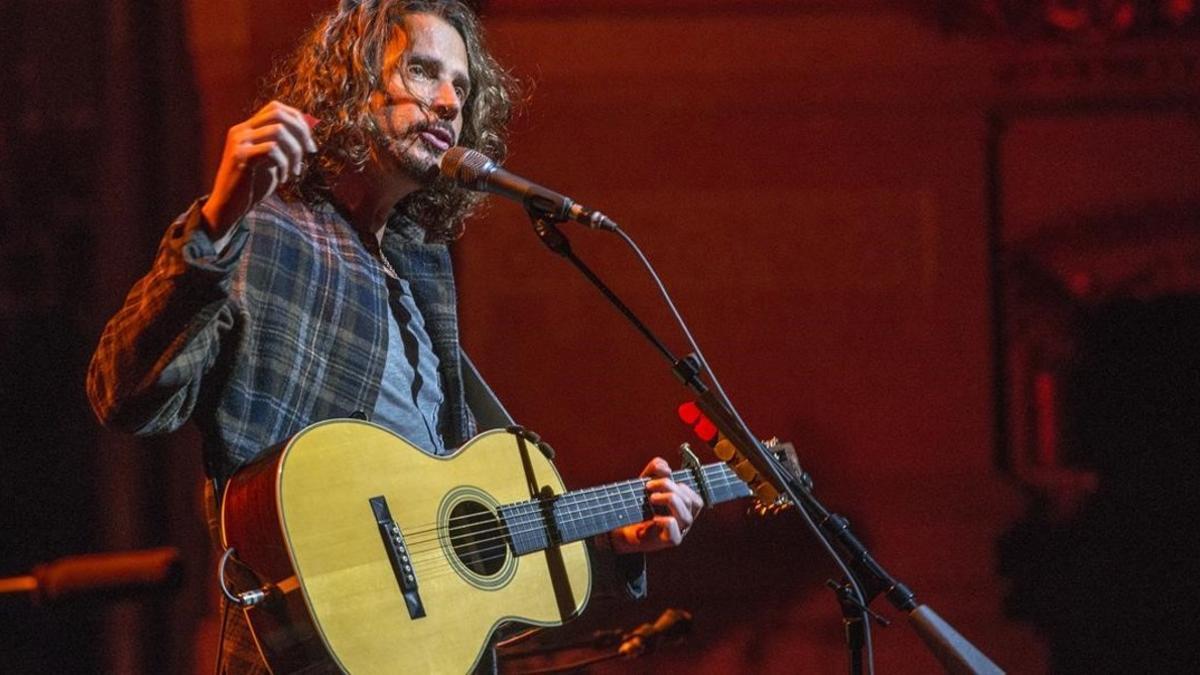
955 653
111 575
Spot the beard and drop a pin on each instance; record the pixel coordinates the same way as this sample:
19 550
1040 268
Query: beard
410 154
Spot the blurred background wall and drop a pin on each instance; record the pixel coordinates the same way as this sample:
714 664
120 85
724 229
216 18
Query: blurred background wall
949 249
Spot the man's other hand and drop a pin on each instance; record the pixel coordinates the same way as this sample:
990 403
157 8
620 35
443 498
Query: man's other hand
675 506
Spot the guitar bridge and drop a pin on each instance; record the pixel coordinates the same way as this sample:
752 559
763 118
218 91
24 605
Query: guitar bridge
397 551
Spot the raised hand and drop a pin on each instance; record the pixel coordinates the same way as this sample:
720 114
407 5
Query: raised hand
260 154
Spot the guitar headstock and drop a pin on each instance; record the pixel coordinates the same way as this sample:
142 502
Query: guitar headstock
785 453
768 500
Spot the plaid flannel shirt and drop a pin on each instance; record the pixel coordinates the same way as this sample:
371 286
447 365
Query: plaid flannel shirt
278 331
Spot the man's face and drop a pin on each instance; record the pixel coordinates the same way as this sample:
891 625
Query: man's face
420 114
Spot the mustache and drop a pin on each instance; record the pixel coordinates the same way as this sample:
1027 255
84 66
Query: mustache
407 137
431 125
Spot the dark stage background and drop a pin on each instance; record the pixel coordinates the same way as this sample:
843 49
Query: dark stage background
948 249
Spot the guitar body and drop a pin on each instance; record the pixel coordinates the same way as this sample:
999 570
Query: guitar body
307 518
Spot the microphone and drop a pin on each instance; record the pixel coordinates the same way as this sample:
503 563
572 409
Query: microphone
476 171
670 624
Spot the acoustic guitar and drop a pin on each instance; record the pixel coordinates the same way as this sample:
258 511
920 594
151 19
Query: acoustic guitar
384 559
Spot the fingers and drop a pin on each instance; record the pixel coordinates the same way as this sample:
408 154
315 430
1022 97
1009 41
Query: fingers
290 118
675 506
277 124
277 137
657 468
651 535
275 143
675 499
660 531
675 503
665 531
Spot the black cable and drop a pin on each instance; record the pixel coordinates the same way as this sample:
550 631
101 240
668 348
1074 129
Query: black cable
227 604
249 598
221 578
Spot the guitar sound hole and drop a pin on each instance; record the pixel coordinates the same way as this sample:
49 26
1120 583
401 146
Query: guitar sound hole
477 538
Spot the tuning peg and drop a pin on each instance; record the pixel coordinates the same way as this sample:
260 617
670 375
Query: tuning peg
774 508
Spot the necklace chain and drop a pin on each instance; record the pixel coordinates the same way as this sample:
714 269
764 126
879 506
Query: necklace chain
377 250
387 265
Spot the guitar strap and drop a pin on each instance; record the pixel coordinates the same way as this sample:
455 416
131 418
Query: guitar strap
481 400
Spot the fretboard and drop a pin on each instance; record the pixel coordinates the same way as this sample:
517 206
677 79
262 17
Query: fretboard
540 523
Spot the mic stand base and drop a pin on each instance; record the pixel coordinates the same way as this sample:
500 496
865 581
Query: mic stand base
953 651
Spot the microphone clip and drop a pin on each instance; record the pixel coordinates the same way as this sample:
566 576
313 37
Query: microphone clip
545 226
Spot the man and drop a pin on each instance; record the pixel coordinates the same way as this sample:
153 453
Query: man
314 281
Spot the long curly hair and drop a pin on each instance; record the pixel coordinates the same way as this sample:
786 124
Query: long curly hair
337 68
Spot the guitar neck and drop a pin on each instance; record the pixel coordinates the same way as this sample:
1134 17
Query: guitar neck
540 523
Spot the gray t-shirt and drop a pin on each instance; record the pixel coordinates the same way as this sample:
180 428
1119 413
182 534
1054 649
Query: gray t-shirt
410 396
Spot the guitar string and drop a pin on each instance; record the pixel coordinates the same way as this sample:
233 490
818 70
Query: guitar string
601 490
573 512
723 478
423 556
581 500
682 476
433 564
519 525
533 522
502 534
